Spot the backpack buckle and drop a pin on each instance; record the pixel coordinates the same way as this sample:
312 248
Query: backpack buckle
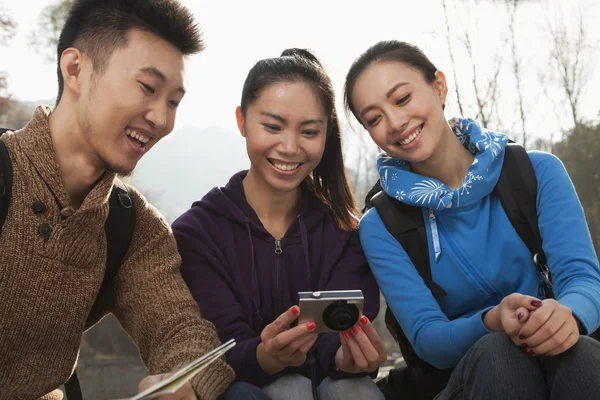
540 262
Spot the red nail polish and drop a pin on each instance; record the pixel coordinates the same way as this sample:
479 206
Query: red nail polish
347 335
364 320
311 326
355 329
520 315
524 345
521 337
536 303
530 353
295 310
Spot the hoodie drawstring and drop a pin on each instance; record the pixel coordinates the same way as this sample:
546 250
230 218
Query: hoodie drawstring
304 245
255 289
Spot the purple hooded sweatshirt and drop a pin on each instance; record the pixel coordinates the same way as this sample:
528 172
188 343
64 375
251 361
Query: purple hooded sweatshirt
243 279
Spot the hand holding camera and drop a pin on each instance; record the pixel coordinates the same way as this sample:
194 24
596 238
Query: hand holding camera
362 350
283 345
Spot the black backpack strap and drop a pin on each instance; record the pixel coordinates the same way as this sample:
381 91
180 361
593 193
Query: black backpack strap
407 225
119 228
6 178
517 191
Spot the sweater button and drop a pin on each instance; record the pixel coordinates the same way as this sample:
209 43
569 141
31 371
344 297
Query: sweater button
39 207
44 230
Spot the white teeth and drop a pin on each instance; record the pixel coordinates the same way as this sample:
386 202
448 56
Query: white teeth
411 137
136 135
286 167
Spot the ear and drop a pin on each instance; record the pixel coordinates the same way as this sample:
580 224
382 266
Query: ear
441 86
71 61
240 120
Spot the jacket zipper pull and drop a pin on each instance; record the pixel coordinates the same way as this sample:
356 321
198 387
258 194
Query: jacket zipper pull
434 234
278 249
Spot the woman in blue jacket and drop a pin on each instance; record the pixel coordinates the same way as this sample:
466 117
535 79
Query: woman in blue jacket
284 226
503 340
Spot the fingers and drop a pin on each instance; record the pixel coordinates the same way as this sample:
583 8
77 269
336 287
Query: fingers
281 324
543 320
522 314
149 381
516 300
186 392
298 344
285 338
358 357
374 338
566 345
366 347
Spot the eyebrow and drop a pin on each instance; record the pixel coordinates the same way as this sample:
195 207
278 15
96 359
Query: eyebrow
283 121
156 72
387 95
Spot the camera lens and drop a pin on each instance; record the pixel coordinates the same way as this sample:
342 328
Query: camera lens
340 316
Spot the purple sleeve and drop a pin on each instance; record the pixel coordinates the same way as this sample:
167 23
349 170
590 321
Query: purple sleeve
351 272
214 291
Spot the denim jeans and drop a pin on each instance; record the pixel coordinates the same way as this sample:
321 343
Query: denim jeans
495 368
298 387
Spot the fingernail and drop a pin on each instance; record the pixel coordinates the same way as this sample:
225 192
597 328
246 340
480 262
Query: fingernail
520 315
536 303
364 320
530 353
521 337
355 329
347 335
295 310
310 326
524 345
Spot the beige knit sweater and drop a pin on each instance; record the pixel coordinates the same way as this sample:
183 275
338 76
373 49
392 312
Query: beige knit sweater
49 279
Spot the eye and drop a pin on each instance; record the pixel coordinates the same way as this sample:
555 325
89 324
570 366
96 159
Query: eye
372 121
147 88
173 104
273 128
310 132
403 100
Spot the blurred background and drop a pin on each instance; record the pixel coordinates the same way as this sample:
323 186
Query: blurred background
525 67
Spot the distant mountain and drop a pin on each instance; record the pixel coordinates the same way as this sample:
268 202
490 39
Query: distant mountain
188 163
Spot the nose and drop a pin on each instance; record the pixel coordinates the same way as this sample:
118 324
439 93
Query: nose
289 143
157 116
398 121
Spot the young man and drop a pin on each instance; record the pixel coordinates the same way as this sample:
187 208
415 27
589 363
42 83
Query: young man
120 74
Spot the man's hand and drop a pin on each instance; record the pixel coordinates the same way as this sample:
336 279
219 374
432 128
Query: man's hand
184 393
283 346
550 330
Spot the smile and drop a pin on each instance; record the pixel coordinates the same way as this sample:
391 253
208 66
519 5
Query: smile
412 137
284 166
137 137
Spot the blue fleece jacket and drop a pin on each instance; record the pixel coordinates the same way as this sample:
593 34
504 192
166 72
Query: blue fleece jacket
475 253
243 279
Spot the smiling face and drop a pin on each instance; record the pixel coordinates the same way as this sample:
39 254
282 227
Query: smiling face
285 130
401 110
128 107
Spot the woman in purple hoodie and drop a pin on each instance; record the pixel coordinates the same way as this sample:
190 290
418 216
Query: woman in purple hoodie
284 226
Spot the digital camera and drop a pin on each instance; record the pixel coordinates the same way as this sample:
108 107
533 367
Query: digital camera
331 311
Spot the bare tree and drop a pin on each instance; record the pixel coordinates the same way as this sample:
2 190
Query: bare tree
50 22
511 6
569 56
8 28
449 43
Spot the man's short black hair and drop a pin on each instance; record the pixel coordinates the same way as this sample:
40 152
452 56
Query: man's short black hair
98 27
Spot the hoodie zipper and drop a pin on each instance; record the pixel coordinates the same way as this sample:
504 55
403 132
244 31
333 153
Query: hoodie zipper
278 251
435 234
